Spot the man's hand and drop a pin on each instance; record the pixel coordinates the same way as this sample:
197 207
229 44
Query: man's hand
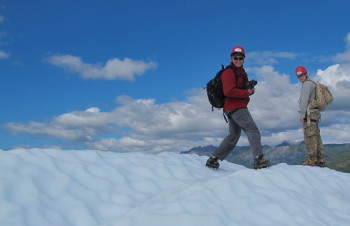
302 120
251 91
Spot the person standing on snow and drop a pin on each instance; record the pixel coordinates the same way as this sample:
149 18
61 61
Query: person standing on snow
312 137
234 82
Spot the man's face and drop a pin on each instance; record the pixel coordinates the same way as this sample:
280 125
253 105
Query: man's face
237 60
302 78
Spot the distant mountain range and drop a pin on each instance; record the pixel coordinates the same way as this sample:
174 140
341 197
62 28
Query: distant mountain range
293 153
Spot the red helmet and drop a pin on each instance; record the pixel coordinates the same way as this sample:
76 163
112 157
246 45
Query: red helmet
238 49
300 70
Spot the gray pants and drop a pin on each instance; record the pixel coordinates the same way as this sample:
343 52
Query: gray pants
240 120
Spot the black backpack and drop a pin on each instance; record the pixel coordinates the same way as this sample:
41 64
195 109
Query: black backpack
215 91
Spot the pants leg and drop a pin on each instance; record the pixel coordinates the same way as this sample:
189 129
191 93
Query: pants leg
312 137
246 122
320 149
230 141
240 120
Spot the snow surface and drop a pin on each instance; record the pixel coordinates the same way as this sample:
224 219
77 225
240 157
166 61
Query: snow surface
42 187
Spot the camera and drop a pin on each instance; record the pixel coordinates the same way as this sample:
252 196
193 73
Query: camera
251 84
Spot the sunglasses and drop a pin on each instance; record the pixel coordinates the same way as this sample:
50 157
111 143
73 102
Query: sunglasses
299 76
238 58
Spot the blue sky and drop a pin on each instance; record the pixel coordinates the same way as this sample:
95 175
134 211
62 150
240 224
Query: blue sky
128 75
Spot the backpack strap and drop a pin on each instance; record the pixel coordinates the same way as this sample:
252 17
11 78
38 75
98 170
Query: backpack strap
234 71
228 115
224 115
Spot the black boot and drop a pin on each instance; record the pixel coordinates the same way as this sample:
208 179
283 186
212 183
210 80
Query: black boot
260 162
212 162
321 164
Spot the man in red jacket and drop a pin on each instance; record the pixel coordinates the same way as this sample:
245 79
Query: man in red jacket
234 82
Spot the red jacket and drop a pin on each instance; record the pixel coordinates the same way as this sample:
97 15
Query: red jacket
235 95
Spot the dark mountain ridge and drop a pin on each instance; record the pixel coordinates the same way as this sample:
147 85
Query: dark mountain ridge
337 156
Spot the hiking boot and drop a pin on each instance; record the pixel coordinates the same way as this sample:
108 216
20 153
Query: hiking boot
212 162
308 162
260 163
321 164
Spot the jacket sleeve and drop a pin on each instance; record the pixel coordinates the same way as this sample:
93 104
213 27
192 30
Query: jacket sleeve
229 85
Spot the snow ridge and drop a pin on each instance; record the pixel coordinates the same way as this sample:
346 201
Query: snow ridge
55 187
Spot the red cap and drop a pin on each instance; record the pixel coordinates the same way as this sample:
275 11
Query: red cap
238 49
300 70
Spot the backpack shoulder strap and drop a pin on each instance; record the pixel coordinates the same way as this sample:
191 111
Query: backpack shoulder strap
234 71
313 82
236 75
308 119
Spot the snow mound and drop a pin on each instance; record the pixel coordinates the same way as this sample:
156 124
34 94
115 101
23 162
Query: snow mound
55 187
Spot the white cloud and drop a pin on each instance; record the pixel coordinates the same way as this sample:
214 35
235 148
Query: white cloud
2 19
140 123
2 34
344 57
275 103
50 130
3 55
338 131
337 78
74 126
268 58
126 69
